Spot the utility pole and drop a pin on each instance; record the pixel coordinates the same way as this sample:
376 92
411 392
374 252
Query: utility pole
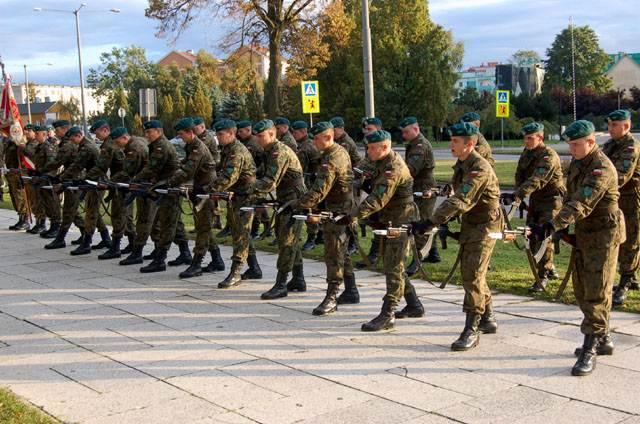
369 105
573 68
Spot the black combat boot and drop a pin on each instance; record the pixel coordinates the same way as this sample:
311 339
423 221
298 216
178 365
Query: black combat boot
216 264
129 247
279 289
470 336
433 257
539 287
225 232
134 258
254 272
151 255
350 295
330 303
22 224
414 308
58 242
620 291
384 321
83 248
195 269
373 253
51 232
297 282
114 251
488 323
184 258
233 278
14 226
352 247
605 346
255 228
38 227
552 274
586 362
412 269
157 264
105 243
310 243
320 237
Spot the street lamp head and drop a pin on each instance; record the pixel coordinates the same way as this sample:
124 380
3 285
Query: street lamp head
114 10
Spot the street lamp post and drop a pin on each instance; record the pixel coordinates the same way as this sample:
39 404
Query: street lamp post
76 13
26 89
369 105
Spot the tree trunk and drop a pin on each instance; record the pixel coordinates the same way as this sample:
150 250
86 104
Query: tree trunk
275 70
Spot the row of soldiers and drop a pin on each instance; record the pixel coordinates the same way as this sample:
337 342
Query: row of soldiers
254 164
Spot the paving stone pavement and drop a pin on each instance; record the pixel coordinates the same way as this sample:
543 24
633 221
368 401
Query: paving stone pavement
89 341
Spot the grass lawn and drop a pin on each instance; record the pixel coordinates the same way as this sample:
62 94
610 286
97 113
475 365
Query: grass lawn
15 411
505 171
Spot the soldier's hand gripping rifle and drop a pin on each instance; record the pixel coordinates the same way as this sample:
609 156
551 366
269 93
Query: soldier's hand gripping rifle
135 190
439 191
319 217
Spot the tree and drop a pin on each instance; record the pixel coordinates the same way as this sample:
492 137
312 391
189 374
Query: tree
32 91
261 20
525 58
590 61
136 128
472 99
70 108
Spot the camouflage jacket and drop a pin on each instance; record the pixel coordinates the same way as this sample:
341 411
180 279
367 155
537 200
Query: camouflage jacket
351 148
309 159
282 173
237 169
592 201
65 155
625 155
539 175
333 183
135 156
85 159
44 154
257 153
109 160
421 163
484 148
30 148
287 138
476 198
198 166
162 164
208 137
11 150
391 192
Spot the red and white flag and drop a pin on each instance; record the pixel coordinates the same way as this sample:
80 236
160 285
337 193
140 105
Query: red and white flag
9 112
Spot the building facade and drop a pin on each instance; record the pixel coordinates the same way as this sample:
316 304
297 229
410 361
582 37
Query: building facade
482 78
624 71
63 93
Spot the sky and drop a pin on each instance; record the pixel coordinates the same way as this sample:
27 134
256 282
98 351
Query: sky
492 30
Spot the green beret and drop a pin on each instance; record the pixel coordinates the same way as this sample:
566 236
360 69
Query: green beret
299 125
61 123
337 122
463 129
184 124
262 126
578 129
281 121
37 128
410 120
619 115
198 120
98 124
320 127
118 132
28 127
49 127
73 131
154 123
372 121
470 117
244 124
377 136
224 124
532 128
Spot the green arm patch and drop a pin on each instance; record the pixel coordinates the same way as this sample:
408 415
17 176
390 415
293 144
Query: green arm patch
542 170
381 189
466 188
587 191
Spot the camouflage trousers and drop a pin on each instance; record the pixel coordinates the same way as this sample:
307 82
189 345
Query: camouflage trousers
51 205
288 235
146 210
395 250
202 220
121 216
425 207
92 218
593 274
240 231
16 192
539 213
168 217
336 258
70 213
474 262
629 256
37 205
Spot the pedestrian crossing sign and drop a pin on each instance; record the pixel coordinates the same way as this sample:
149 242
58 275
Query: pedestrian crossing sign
502 103
310 97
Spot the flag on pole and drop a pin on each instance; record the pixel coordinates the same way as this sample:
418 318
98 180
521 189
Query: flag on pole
10 121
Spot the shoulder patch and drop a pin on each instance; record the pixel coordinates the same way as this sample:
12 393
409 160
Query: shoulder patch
626 163
547 157
325 166
542 170
159 148
388 173
275 154
474 173
596 172
587 191
466 188
631 148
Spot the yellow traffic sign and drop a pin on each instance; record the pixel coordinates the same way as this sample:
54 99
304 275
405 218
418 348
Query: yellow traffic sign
502 103
310 97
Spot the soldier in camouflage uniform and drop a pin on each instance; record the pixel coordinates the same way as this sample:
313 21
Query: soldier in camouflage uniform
237 175
333 186
37 207
129 157
47 165
283 133
539 176
43 153
592 205
208 137
476 199
84 158
624 151
421 162
282 173
309 159
392 196
482 145
12 152
161 165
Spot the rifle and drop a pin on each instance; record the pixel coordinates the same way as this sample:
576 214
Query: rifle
135 190
444 191
318 217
